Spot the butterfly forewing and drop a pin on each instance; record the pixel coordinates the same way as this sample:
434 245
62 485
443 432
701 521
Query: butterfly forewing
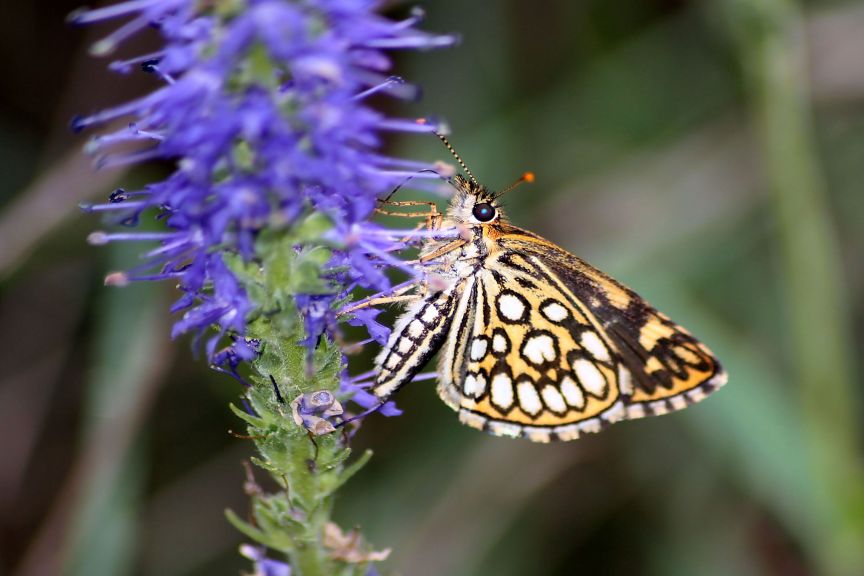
416 337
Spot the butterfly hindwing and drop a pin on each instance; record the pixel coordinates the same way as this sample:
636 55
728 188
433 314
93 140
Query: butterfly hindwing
535 365
669 368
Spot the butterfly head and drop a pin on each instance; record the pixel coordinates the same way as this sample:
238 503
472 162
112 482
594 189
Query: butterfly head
473 204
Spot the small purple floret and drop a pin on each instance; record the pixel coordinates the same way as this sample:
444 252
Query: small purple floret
264 566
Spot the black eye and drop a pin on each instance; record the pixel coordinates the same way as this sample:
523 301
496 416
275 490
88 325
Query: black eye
483 212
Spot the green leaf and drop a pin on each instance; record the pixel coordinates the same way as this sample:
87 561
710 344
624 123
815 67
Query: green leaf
246 417
261 536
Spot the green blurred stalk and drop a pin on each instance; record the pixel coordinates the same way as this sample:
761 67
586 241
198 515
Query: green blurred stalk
108 480
770 38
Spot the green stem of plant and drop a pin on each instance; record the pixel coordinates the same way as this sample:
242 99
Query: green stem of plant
309 469
771 39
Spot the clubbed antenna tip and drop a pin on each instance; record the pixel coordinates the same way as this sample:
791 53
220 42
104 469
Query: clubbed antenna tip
526 177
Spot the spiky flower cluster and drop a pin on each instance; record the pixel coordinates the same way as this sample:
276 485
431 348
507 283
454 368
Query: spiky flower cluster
263 110
262 114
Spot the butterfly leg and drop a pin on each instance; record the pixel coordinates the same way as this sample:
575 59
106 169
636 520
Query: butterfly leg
384 298
410 236
449 247
380 301
432 216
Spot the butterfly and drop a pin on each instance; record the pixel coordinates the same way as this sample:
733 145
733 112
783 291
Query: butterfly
533 342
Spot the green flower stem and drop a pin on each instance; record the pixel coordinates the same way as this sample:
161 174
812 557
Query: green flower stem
308 469
770 37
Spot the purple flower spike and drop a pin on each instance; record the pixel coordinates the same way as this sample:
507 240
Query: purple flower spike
263 112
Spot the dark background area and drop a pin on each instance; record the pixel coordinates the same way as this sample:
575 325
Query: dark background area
672 149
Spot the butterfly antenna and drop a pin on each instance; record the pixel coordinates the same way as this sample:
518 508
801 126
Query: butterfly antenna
526 177
456 156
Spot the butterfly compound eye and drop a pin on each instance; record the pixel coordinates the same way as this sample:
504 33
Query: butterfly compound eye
483 212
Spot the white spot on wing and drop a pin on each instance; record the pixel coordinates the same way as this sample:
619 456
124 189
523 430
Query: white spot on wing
404 345
615 412
659 407
502 391
590 425
678 402
539 349
429 314
392 362
499 343
416 329
572 393
590 377
469 384
553 399
592 343
568 432
555 312
529 400
636 411
625 380
535 434
475 385
478 349
471 419
505 429
511 307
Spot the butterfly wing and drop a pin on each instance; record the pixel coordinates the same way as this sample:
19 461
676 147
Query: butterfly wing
418 334
547 347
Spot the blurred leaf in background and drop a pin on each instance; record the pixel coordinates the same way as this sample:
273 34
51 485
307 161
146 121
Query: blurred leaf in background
709 155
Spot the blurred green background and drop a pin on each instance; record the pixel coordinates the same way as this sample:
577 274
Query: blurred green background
708 154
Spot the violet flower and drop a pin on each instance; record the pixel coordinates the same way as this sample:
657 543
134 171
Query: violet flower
264 566
264 113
